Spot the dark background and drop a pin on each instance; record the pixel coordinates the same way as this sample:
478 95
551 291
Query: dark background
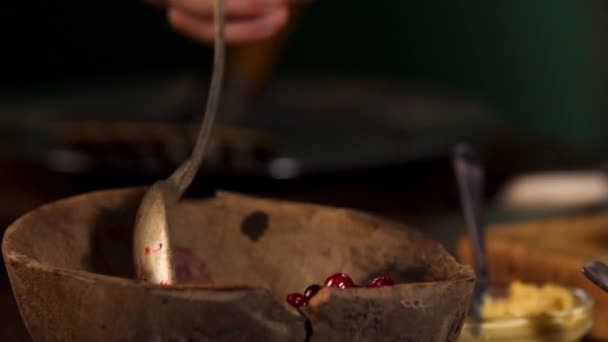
366 97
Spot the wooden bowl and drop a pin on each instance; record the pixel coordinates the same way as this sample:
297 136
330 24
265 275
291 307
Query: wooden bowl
70 266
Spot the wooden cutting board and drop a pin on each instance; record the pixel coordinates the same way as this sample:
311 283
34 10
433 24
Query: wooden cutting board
549 251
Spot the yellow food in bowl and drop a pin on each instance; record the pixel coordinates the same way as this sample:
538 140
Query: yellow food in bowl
529 313
526 300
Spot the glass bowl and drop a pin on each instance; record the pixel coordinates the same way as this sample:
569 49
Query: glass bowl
564 326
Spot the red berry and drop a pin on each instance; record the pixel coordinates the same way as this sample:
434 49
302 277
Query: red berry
339 280
311 291
381 282
297 300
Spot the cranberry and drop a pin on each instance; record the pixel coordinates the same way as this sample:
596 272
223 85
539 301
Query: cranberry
297 300
381 282
339 280
311 291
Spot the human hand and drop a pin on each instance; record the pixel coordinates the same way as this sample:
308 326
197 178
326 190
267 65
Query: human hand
246 20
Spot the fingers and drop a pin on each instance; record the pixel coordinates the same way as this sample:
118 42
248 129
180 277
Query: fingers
232 9
236 31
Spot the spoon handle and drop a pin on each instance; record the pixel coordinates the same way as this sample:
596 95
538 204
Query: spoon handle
470 177
184 175
597 272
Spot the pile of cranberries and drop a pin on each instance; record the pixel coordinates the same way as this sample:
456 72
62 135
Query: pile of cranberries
338 280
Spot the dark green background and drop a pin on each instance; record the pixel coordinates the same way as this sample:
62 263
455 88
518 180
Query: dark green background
530 60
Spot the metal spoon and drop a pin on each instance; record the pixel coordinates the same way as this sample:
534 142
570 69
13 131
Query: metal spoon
470 175
597 272
152 248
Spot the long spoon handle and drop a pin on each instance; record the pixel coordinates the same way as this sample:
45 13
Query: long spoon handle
184 175
470 177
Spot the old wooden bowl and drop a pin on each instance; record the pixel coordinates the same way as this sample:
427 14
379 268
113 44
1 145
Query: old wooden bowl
70 266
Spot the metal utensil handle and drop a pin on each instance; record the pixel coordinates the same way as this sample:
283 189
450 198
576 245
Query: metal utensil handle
184 175
470 177
597 272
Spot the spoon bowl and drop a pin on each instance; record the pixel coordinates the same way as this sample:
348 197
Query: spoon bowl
152 245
